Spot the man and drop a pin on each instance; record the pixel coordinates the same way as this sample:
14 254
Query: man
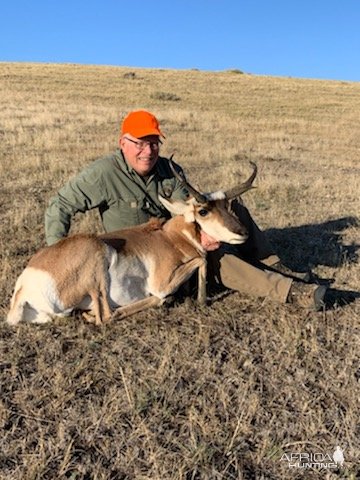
124 187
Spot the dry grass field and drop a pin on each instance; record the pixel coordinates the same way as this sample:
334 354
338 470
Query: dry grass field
186 392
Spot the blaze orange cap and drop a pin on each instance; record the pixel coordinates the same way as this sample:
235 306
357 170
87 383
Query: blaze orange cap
141 123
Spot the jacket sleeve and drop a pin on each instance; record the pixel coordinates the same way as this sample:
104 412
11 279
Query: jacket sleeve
84 192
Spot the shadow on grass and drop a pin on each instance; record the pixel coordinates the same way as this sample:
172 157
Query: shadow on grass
308 246
305 247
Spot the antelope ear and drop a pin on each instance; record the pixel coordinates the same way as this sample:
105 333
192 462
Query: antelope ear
174 206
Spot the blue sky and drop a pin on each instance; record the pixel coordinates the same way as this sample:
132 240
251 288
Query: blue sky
296 38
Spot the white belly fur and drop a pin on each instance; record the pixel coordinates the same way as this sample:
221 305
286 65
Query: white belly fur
40 292
128 280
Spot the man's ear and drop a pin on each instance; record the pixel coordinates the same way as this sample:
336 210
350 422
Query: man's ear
121 141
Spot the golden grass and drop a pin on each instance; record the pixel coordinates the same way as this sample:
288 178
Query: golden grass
218 392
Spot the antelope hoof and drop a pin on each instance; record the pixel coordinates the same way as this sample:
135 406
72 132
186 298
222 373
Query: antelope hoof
88 317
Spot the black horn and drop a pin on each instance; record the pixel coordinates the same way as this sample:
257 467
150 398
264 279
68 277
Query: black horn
199 197
243 187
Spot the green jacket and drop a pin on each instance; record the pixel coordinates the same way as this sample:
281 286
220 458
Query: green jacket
123 197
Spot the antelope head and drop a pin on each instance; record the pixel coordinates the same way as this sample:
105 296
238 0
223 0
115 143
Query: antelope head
211 211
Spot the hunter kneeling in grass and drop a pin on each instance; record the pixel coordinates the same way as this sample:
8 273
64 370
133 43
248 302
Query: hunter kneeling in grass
124 187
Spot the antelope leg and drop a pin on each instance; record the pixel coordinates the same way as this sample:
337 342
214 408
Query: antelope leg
136 307
182 273
201 297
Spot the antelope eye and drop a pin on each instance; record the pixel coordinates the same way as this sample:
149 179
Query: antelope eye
203 212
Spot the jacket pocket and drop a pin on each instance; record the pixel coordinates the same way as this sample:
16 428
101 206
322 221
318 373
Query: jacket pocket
123 213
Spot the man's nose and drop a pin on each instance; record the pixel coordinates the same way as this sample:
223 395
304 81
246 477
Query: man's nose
147 148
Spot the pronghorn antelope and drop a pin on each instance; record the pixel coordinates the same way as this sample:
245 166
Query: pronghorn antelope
120 273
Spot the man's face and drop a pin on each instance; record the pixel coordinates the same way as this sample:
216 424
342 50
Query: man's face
140 153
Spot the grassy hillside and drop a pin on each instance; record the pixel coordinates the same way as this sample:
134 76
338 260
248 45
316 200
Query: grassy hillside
218 392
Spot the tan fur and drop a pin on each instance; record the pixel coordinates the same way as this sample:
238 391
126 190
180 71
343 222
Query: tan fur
78 266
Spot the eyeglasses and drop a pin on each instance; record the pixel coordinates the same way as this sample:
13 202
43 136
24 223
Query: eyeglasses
142 144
